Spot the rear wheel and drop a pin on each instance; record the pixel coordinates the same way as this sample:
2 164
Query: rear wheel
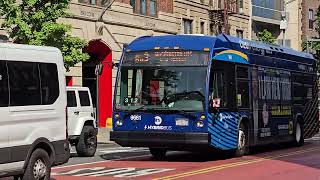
87 144
299 134
39 166
243 141
158 153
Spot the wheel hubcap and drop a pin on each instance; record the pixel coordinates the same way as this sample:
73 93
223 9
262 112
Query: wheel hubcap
39 169
90 141
298 132
242 139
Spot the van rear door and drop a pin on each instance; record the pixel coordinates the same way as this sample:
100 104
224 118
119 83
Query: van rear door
4 113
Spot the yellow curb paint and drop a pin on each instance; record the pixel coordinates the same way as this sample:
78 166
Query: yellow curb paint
216 168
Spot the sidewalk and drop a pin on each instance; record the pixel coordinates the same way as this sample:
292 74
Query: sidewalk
104 136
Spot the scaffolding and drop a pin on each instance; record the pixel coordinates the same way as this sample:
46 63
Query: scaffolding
220 11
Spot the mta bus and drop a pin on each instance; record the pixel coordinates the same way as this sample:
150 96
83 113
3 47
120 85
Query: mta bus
189 92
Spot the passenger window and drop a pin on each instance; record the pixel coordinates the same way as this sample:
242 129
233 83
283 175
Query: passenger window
71 99
242 87
4 91
84 98
24 83
49 83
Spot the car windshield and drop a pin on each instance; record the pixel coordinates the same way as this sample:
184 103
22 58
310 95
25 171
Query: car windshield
161 88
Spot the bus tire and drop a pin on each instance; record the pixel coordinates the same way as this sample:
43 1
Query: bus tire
39 166
243 141
87 144
298 134
158 153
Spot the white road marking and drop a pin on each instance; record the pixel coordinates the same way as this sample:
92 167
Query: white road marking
104 161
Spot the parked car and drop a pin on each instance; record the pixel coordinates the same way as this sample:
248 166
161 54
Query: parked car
82 127
33 124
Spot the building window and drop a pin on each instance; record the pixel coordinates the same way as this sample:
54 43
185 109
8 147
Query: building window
310 19
153 8
202 27
187 25
143 7
240 6
133 4
240 33
93 2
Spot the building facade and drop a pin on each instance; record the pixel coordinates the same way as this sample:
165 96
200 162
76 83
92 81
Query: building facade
266 14
309 24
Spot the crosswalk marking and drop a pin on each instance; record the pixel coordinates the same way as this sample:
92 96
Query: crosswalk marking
116 150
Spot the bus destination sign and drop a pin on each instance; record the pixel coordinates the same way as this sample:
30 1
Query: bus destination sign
166 58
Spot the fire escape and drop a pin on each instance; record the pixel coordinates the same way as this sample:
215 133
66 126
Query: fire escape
220 11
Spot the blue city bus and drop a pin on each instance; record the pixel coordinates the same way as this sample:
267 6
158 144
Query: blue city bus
193 92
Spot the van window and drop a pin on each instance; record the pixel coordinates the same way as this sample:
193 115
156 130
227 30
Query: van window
49 83
84 98
71 99
4 92
24 83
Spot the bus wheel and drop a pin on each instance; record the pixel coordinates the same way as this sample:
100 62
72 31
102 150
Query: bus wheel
242 148
158 153
299 134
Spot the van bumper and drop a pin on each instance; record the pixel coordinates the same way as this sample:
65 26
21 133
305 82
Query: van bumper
160 139
62 152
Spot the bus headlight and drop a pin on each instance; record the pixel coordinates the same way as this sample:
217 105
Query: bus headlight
119 123
200 124
117 116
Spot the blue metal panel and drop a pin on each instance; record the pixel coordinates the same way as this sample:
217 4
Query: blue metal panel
223 129
168 124
186 42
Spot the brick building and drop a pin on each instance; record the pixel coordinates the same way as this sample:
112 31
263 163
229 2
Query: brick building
309 25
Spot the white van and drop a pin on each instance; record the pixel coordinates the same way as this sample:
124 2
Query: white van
33 125
82 127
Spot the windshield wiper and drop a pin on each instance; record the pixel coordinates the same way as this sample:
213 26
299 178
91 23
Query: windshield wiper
187 115
174 97
134 111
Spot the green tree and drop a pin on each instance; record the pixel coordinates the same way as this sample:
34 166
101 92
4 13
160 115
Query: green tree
266 37
34 22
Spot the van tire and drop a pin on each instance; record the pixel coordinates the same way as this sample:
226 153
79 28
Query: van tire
87 144
39 159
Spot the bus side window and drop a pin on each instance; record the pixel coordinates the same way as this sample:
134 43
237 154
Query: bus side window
242 87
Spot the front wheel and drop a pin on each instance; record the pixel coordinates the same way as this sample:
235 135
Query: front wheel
39 166
158 153
87 144
243 141
299 134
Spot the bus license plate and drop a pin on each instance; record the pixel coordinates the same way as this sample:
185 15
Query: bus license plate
182 122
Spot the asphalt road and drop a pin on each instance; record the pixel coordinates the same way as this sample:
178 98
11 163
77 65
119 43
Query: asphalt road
276 163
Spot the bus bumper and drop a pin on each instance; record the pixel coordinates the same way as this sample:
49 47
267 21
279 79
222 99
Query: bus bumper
160 139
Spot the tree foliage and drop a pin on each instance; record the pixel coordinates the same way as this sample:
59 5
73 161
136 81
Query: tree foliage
34 22
266 37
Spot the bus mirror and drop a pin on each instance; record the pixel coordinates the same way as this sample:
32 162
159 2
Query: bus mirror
216 103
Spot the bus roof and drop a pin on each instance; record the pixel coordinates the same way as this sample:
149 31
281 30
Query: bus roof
199 43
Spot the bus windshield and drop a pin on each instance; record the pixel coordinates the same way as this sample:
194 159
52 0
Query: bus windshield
161 88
